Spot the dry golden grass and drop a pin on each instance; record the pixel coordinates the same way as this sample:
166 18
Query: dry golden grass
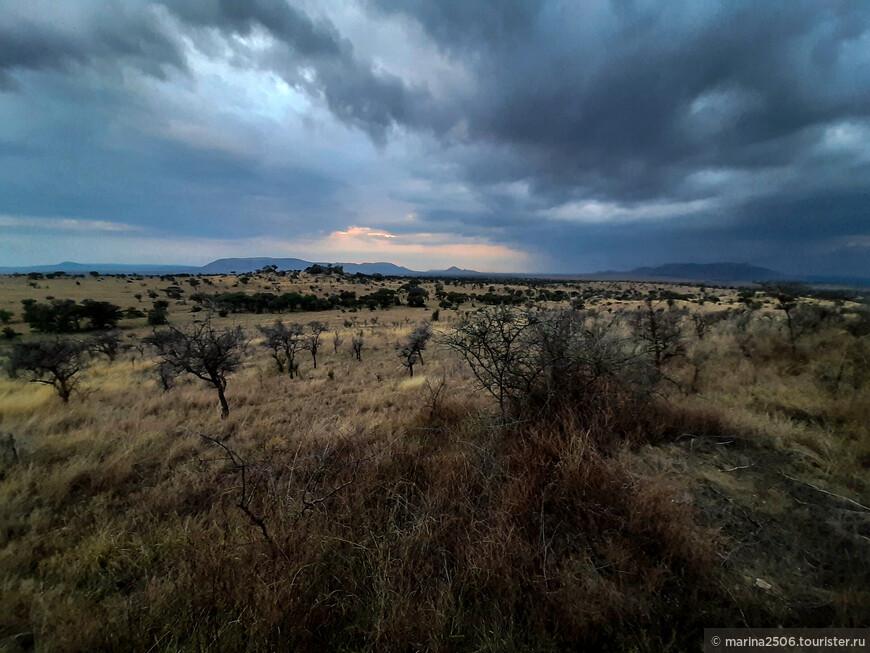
608 522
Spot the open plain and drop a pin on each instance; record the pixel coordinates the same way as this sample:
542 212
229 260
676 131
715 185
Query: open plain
714 474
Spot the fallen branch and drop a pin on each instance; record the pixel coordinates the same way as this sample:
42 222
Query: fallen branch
818 489
734 469
308 504
246 493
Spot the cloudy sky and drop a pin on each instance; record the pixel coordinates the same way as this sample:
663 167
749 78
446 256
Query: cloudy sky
499 135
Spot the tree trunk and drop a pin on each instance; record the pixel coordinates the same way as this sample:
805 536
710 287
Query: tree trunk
225 407
63 389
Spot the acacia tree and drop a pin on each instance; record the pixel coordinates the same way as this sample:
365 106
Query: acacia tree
800 318
107 343
408 355
202 351
284 341
786 295
55 362
411 351
103 315
313 344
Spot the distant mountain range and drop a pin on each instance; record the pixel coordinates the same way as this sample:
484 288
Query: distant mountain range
229 265
724 273
239 266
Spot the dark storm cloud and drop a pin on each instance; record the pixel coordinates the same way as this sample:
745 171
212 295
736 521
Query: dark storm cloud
170 187
630 102
284 22
462 26
572 128
353 91
127 37
626 102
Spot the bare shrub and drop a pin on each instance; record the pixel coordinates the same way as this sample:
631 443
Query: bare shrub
701 323
744 333
497 343
661 331
850 371
857 321
316 329
521 356
356 345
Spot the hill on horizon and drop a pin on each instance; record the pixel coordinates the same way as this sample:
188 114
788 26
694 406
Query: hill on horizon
236 265
725 272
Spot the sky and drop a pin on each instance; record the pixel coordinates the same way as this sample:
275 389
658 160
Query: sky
497 135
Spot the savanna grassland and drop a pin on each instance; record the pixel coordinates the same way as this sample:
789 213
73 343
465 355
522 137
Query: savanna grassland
618 466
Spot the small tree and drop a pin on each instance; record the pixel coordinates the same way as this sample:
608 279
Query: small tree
411 352
744 335
136 346
699 321
786 295
313 343
661 331
204 352
158 316
9 333
107 343
5 316
356 345
166 374
408 355
336 342
55 362
419 338
802 318
284 341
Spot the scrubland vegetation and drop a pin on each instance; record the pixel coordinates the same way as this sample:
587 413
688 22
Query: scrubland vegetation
545 466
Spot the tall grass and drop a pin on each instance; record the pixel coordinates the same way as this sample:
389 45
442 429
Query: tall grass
363 511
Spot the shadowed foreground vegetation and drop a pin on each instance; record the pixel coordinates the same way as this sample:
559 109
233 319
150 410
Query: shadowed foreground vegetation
546 480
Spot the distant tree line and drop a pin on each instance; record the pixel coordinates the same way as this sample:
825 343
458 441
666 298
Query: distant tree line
266 302
328 269
68 316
